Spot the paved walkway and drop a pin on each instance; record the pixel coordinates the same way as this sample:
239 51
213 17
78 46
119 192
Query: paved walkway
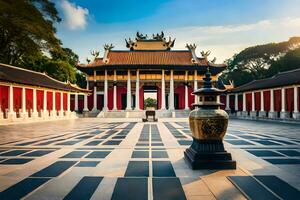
126 159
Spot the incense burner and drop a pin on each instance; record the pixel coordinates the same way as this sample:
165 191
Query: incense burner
208 124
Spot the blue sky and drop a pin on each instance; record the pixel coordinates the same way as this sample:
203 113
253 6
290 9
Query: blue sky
223 26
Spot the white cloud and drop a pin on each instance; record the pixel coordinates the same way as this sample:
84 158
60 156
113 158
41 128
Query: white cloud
75 17
224 41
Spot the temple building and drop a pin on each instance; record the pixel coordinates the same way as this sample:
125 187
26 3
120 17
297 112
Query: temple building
121 79
27 95
276 97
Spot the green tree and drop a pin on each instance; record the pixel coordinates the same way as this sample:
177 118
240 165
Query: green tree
26 29
150 102
255 62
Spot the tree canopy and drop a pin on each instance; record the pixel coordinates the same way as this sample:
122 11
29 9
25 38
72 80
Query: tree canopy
27 39
262 61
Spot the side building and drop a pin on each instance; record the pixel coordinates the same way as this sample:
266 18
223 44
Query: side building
28 95
276 97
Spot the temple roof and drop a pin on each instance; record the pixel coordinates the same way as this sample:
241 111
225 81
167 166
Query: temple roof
143 42
12 74
170 59
279 80
147 58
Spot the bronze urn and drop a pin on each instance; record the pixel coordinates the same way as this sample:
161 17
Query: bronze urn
208 124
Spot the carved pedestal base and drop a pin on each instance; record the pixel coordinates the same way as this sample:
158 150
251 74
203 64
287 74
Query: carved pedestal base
209 154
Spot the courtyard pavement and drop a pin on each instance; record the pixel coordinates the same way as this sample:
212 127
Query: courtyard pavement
127 159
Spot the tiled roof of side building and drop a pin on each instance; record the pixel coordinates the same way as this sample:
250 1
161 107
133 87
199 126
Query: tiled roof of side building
281 79
148 57
12 74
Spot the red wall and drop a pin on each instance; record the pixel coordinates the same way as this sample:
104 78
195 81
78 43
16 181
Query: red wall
277 100
248 101
110 97
267 100
223 101
141 98
289 99
72 102
240 102
57 101
17 99
29 99
91 101
180 90
120 90
80 102
257 101
65 101
39 100
49 101
4 90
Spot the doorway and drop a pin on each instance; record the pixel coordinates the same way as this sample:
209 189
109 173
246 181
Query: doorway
150 97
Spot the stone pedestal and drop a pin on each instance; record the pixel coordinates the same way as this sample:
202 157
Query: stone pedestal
209 154
262 114
273 115
296 115
253 114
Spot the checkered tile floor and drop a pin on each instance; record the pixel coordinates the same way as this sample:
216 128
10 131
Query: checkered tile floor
93 159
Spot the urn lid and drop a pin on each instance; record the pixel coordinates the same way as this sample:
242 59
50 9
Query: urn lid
208 88
208 92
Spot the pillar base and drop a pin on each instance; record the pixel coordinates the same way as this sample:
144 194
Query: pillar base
11 115
239 113
53 113
273 115
208 154
245 113
34 115
253 114
24 115
262 114
284 115
296 115
45 114
95 110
